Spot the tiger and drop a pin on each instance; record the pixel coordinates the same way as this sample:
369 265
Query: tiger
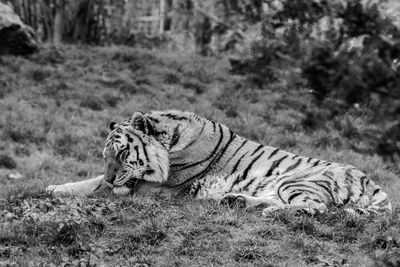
175 151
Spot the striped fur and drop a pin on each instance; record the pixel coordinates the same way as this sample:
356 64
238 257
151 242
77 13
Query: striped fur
214 162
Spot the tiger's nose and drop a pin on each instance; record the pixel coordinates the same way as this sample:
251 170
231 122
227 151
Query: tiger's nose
110 173
111 166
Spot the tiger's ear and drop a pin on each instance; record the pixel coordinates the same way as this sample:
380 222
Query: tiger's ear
141 123
112 125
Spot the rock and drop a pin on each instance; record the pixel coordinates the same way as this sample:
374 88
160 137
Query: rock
15 37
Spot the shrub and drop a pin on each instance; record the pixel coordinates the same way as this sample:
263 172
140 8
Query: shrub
346 52
171 78
38 73
64 145
195 85
93 102
7 162
110 99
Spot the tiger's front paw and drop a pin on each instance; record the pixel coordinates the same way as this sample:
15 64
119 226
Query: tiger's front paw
54 190
58 190
51 188
121 190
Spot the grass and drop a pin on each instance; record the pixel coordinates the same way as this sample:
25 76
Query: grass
54 112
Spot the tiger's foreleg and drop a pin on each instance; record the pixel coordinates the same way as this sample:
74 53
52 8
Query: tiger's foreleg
82 188
153 188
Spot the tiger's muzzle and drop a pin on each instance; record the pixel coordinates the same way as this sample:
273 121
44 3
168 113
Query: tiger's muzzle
111 168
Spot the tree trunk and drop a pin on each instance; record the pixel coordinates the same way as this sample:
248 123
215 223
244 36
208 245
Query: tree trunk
58 22
162 16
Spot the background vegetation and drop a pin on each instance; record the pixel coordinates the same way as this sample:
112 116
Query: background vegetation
292 89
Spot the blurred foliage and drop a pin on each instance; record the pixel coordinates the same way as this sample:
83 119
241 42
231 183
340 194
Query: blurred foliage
92 21
347 52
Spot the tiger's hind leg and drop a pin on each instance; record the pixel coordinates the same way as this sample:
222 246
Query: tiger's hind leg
273 203
301 201
310 208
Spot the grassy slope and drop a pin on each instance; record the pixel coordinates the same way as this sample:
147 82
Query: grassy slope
54 111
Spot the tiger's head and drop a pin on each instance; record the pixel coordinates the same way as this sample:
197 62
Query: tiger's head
181 137
131 155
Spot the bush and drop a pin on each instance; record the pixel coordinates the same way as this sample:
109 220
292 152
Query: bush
346 51
93 103
7 162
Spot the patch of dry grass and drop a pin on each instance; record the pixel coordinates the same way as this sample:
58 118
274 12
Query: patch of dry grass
54 112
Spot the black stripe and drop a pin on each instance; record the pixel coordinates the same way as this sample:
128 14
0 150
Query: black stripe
130 139
251 164
261 186
255 151
238 179
295 156
274 165
293 196
175 137
237 150
222 152
213 124
196 190
316 163
289 183
174 117
273 153
143 146
293 166
212 161
153 119
250 183
296 178
336 188
119 153
309 159
138 137
299 190
137 151
237 163
145 152
327 189
97 187
185 165
195 140
376 191
346 200
300 187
